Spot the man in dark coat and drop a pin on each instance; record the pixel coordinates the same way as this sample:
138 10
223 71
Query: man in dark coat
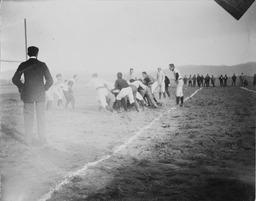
225 79
233 80
198 79
33 92
213 81
194 80
221 80
207 80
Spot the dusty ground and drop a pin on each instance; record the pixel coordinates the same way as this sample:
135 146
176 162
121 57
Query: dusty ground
75 138
204 151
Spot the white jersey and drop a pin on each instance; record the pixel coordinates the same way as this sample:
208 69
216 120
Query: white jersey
160 77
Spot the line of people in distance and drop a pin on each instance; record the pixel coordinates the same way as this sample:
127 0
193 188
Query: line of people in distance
201 81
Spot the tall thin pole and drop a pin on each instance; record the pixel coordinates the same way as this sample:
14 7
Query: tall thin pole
26 44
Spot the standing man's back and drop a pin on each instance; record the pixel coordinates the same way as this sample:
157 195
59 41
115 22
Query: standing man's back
37 80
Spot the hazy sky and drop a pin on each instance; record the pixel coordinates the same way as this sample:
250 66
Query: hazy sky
116 35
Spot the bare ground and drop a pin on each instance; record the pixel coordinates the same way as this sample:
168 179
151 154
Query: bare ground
204 151
75 138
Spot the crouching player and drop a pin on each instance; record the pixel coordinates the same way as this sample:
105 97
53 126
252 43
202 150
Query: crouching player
125 90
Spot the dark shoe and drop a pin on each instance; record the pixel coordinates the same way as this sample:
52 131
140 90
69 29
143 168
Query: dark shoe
159 104
181 100
177 100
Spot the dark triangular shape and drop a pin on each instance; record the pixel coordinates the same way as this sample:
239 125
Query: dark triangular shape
236 8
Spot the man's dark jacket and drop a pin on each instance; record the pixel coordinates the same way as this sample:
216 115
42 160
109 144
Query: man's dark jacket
37 80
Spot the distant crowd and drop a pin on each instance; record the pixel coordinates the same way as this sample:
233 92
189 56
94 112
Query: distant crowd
201 81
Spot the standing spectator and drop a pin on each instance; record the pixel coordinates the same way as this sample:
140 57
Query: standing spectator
160 82
185 80
202 81
233 80
213 81
198 79
221 80
241 78
179 84
254 79
225 79
190 81
167 84
33 92
245 82
207 80
194 80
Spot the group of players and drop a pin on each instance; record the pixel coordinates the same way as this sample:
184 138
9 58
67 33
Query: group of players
127 91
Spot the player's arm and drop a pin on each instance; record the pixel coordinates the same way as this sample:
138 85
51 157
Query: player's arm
176 77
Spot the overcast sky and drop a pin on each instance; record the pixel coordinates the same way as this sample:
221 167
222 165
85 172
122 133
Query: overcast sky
116 35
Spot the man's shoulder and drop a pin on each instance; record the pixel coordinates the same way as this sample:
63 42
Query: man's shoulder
32 62
40 63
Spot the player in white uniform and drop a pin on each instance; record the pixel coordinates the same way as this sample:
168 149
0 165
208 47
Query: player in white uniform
105 97
160 82
179 84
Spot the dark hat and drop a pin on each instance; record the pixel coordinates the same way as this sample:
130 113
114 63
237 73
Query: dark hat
32 51
171 65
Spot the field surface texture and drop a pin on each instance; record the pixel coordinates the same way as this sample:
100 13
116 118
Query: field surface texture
202 151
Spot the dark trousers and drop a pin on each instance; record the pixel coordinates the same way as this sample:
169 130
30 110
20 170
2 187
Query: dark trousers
198 83
167 91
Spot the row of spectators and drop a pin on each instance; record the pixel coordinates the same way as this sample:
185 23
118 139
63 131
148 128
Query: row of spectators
205 81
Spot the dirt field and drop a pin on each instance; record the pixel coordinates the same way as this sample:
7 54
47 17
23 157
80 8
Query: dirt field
203 151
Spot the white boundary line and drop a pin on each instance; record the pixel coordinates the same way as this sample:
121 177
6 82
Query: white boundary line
83 170
248 89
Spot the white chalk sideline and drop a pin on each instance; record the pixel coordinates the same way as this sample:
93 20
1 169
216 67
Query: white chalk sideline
248 89
83 170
